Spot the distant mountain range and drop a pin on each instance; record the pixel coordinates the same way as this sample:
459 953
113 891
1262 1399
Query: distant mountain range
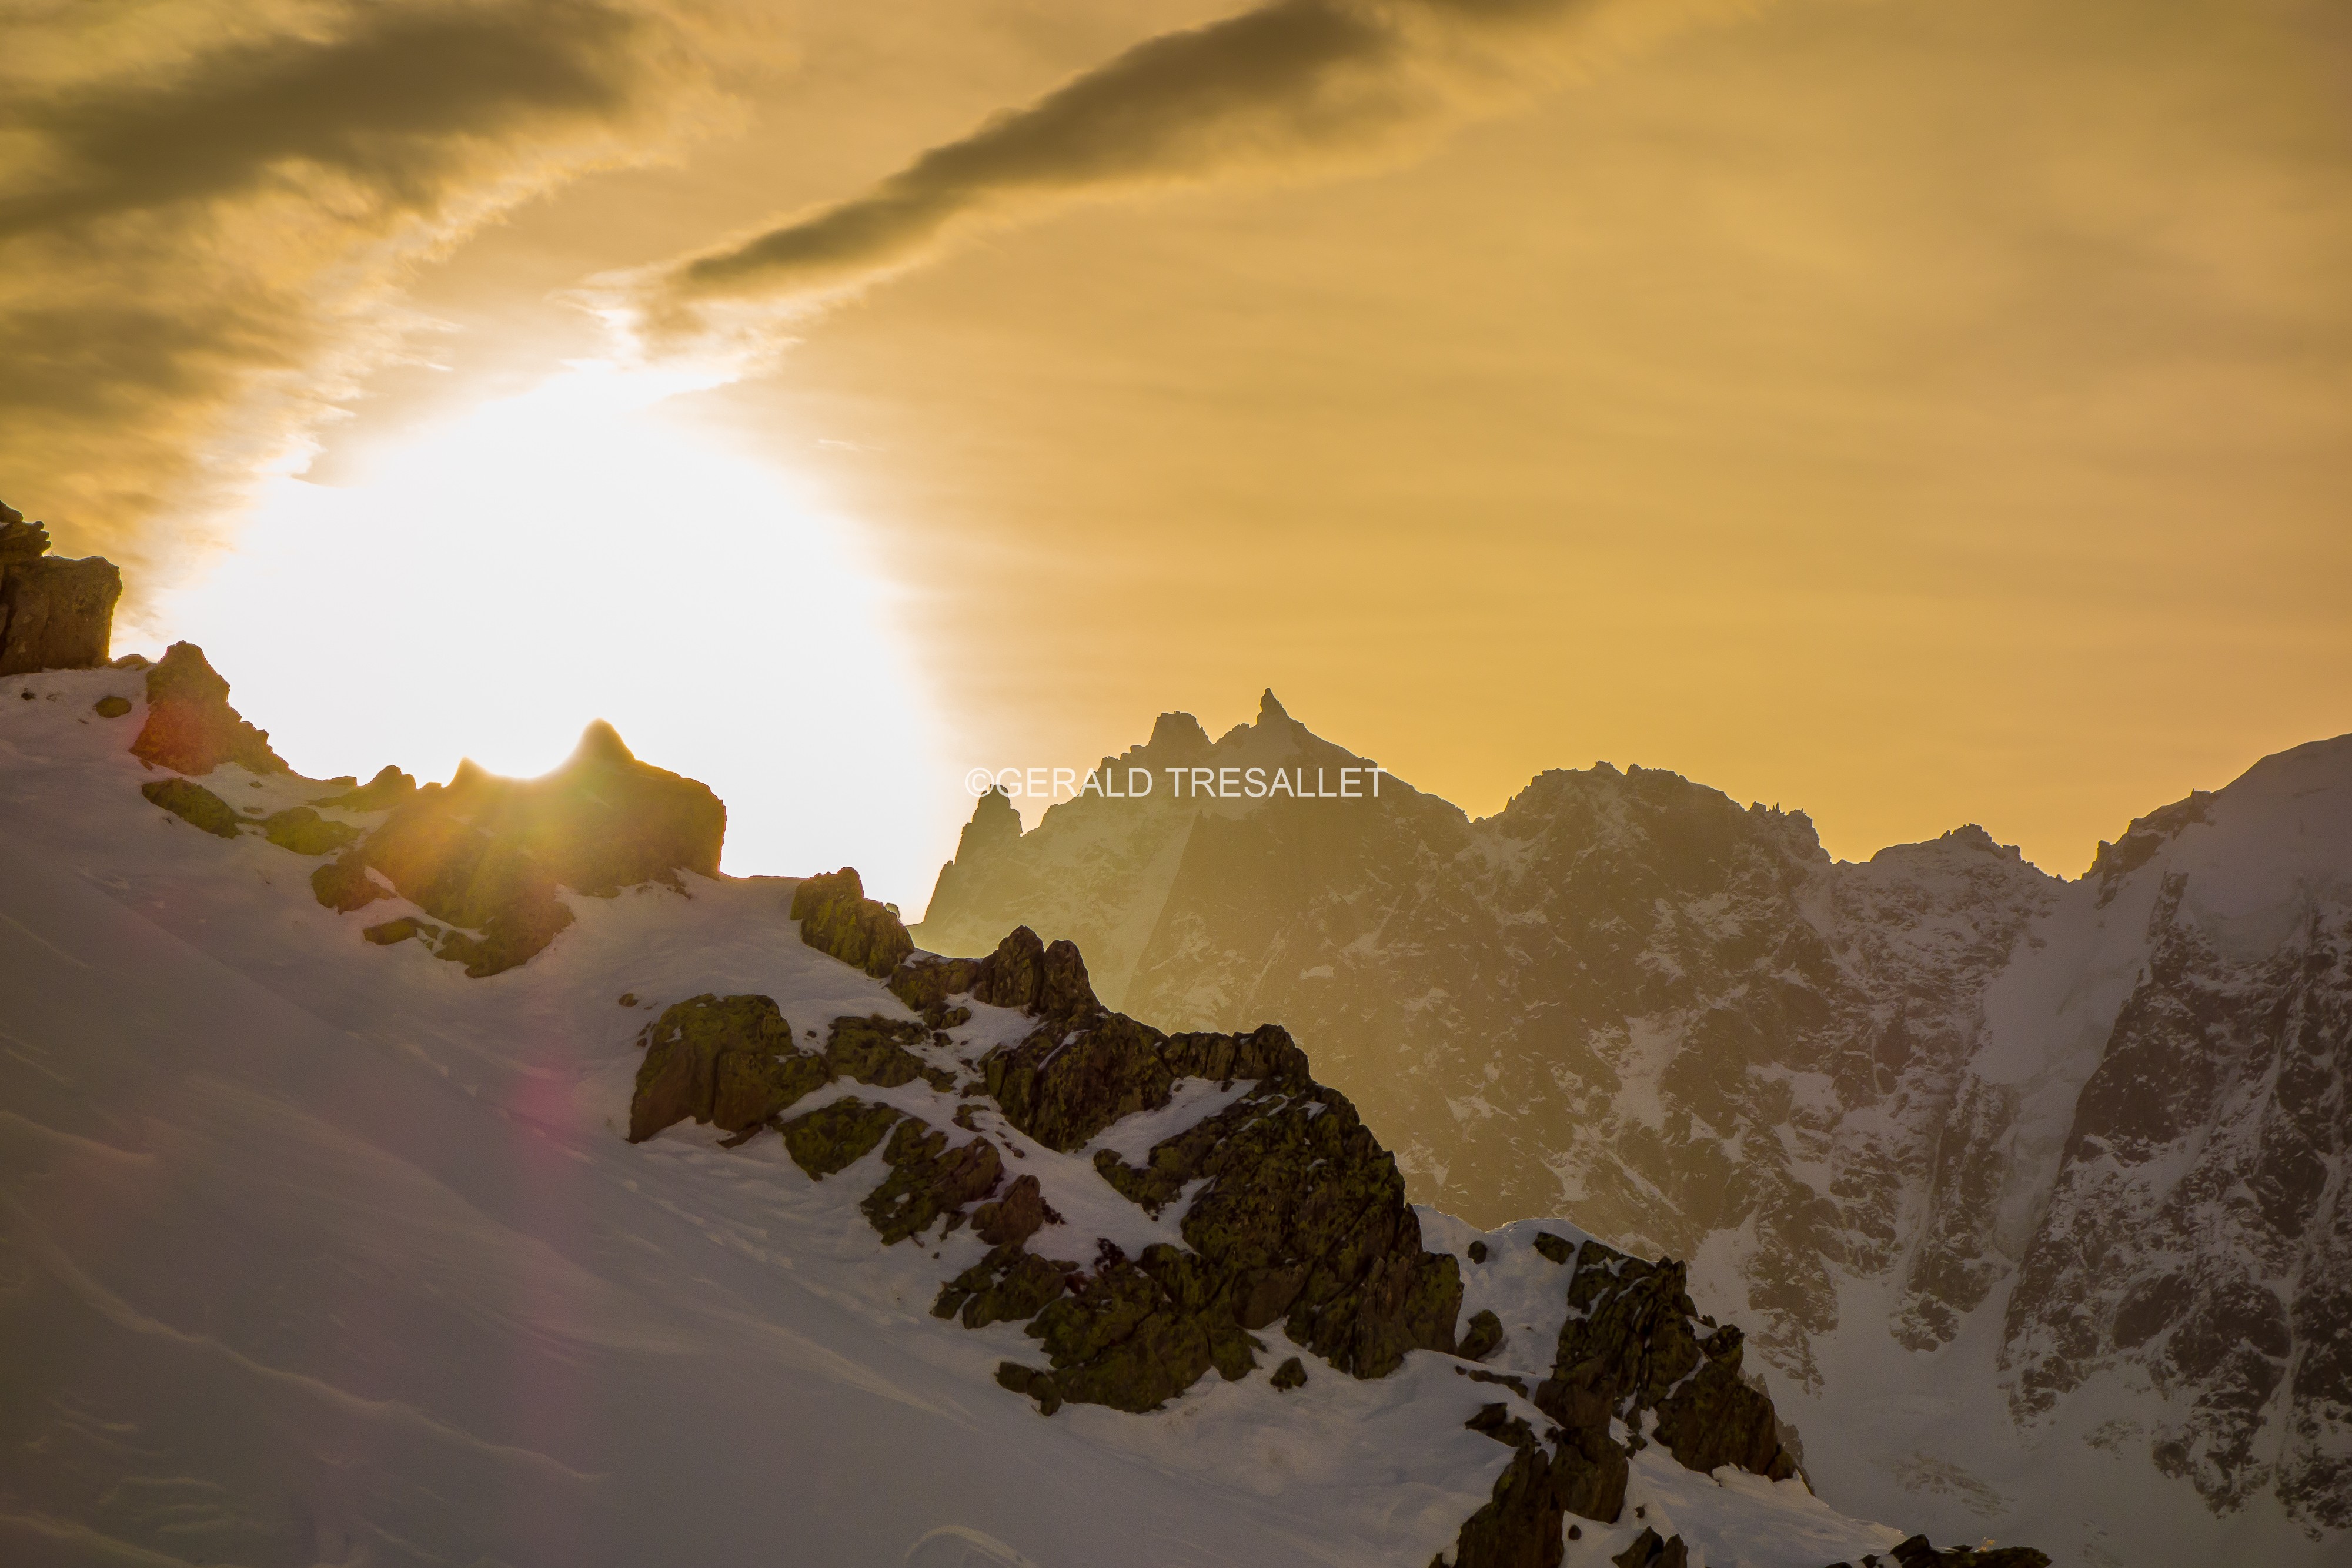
2035 1186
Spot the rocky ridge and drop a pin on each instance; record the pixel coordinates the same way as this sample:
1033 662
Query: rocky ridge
487 859
1291 1215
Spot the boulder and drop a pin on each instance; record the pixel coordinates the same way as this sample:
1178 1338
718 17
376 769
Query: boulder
1484 1338
1014 1218
190 726
194 804
727 1060
345 885
837 918
55 614
303 830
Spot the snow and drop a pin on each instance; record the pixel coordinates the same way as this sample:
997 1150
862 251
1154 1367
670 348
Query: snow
316 1252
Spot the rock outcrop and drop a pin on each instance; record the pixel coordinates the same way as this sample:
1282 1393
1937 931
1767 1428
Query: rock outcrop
189 728
488 855
1635 1343
196 805
55 614
836 917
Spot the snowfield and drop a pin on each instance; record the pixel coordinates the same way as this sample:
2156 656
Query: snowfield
313 1252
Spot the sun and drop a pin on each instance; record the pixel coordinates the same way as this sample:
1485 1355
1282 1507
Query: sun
580 551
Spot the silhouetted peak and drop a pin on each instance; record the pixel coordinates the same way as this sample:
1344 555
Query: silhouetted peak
600 742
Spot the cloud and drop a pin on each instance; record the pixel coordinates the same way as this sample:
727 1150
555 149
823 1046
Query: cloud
206 214
1290 88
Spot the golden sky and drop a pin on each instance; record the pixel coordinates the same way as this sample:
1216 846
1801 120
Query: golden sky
1914 411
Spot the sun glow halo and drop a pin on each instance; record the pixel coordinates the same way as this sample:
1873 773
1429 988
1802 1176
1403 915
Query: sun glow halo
577 552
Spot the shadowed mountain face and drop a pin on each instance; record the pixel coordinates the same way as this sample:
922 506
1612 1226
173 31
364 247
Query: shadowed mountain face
2106 1114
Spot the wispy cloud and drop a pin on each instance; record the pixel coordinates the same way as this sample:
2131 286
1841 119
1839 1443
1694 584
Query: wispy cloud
204 215
1290 88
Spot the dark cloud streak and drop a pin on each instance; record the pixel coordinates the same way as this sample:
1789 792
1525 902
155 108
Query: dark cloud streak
1290 86
399 103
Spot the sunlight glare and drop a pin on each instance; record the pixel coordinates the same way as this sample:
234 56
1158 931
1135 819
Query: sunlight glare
573 553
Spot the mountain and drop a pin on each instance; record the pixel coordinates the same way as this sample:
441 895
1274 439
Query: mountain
469 1173
2030 1188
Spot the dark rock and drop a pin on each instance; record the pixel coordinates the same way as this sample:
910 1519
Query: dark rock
727 1060
874 1050
836 917
1304 1219
1007 1286
190 726
110 708
345 885
1014 1218
400 930
1649 1551
1484 1338
388 789
194 804
1916 1553
55 614
1630 1343
303 830
925 981
927 1179
1290 1374
1477 1251
1038 1386
1519 1525
1496 1421
1517 1385
834 1137
1135 1334
628 999
1559 1248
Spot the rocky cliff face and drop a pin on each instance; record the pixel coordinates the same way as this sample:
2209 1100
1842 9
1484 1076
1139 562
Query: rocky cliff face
2104 1116
55 614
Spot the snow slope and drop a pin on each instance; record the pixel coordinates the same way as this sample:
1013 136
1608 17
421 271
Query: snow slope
312 1252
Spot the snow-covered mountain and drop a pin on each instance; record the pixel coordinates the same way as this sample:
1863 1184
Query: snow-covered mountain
2031 1188
467 1174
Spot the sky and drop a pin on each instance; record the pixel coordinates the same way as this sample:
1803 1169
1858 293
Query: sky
1917 412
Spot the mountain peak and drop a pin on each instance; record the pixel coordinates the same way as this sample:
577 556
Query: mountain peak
600 742
1270 707
1179 733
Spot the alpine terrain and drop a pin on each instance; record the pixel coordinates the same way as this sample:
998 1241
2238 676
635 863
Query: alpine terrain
2030 1189
400 1174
